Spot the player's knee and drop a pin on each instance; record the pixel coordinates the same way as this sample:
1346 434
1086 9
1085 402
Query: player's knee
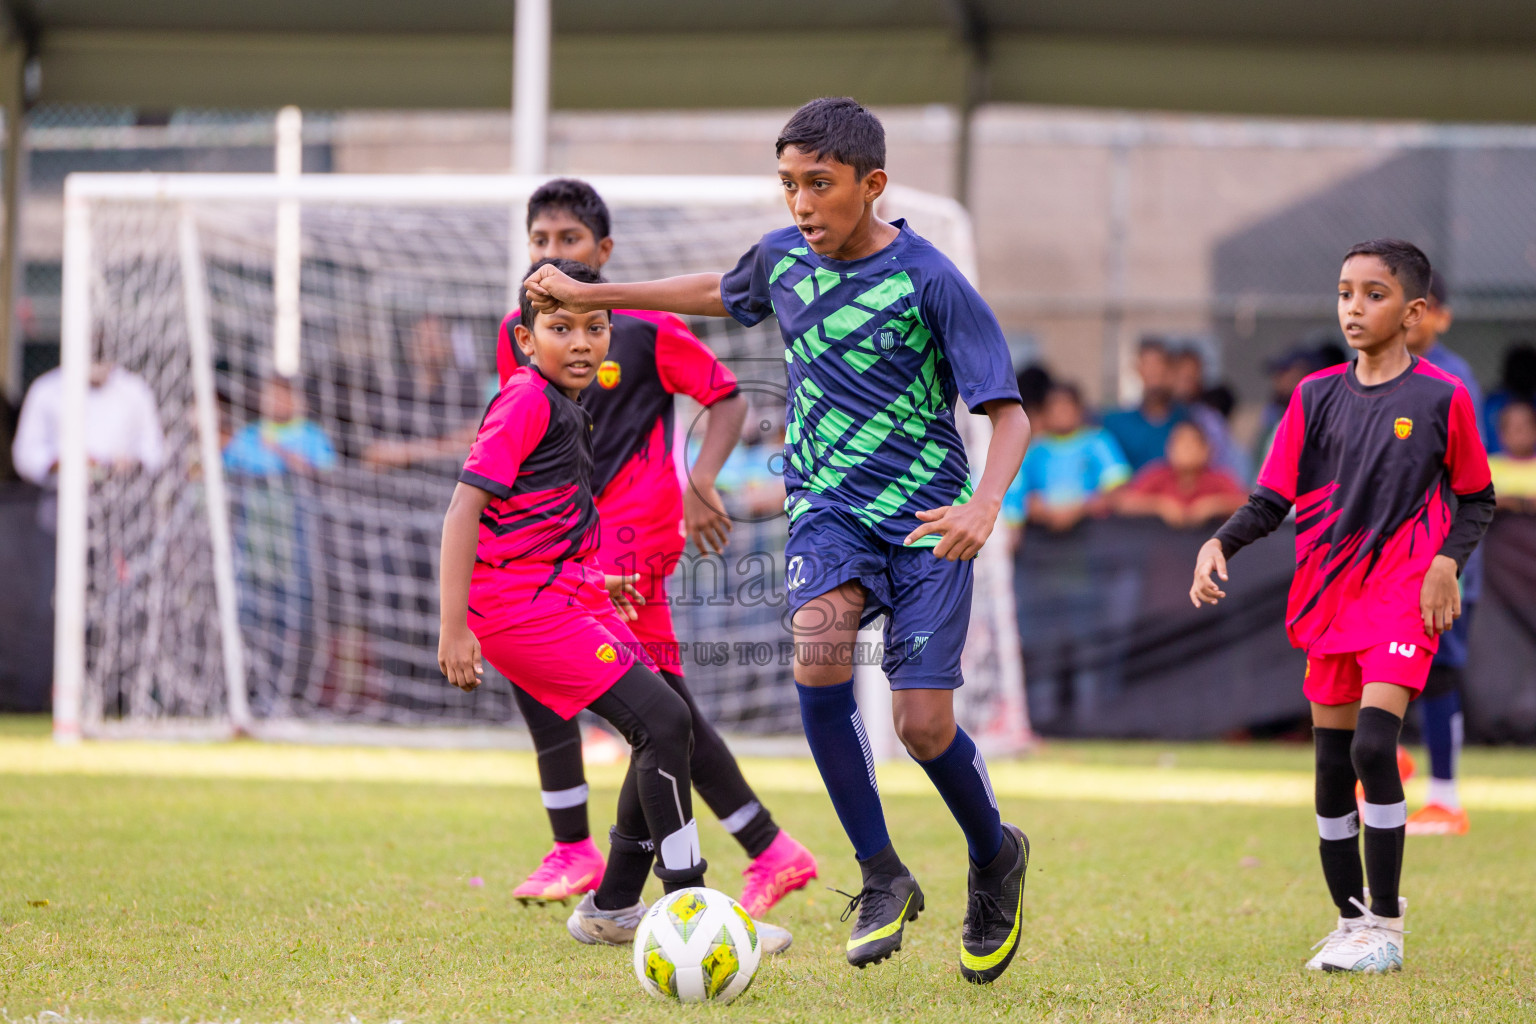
816 671
671 723
925 737
1373 752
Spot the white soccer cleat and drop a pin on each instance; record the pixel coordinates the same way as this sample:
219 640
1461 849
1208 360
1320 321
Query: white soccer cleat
1366 944
591 926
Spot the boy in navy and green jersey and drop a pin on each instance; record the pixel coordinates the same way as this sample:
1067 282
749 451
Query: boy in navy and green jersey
882 335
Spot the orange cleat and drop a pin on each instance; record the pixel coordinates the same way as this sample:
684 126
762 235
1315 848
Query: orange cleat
1437 820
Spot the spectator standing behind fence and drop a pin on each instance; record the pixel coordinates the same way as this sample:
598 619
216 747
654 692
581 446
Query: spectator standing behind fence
1285 372
1067 471
1209 408
1184 489
1516 384
1514 468
1141 432
284 439
122 430
268 462
434 408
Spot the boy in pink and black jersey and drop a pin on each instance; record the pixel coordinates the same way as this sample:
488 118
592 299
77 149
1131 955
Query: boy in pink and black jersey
1382 461
652 357
519 585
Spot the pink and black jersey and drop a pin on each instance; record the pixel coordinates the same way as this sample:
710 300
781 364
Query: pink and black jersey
1383 478
651 358
533 455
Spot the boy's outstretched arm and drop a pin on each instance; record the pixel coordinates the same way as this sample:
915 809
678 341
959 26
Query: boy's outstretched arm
965 528
689 295
458 652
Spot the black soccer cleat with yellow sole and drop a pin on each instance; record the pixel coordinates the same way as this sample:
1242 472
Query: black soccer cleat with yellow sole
885 905
994 916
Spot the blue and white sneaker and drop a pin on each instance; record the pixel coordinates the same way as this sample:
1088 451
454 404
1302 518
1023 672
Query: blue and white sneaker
1366 944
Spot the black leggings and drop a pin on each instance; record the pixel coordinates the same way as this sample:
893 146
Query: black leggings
716 775
656 801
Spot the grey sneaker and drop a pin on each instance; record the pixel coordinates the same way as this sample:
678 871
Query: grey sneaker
591 926
773 938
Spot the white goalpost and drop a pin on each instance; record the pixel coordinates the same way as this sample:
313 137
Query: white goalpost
232 591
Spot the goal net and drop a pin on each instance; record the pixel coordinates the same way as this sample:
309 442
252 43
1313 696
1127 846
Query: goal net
277 574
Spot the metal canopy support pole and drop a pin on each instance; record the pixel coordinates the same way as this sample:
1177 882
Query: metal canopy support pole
288 253
975 36
1115 271
18 66
530 87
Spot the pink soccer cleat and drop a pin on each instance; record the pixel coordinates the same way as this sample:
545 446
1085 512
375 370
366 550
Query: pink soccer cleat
778 871
570 869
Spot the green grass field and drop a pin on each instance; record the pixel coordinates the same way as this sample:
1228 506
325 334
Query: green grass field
1169 882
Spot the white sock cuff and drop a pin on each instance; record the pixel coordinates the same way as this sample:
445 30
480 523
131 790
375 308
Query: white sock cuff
741 816
1346 827
680 850
559 799
1385 815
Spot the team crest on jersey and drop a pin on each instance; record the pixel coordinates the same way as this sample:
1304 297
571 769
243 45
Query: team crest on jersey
887 343
608 374
607 653
1402 427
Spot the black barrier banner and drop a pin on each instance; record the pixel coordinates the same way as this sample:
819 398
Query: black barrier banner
1500 697
1113 648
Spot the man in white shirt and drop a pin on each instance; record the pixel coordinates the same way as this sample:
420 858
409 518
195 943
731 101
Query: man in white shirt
122 428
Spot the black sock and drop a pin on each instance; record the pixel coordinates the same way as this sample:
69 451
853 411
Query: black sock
884 862
718 778
562 779
656 799
1338 819
629 864
758 833
1374 753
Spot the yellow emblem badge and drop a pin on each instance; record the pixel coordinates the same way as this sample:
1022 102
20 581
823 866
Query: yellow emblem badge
608 374
606 653
1402 427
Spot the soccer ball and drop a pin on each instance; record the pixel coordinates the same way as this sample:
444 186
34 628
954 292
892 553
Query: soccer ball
696 945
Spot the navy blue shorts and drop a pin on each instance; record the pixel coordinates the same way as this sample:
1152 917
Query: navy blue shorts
926 600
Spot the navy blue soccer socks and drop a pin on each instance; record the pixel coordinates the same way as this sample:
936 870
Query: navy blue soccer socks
960 776
840 746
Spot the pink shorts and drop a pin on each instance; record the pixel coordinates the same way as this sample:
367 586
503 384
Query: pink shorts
1340 678
564 650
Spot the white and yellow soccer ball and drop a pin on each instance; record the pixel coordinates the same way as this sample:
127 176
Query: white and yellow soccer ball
696 945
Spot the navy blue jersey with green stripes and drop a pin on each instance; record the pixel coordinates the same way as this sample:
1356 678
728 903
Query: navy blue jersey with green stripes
878 349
